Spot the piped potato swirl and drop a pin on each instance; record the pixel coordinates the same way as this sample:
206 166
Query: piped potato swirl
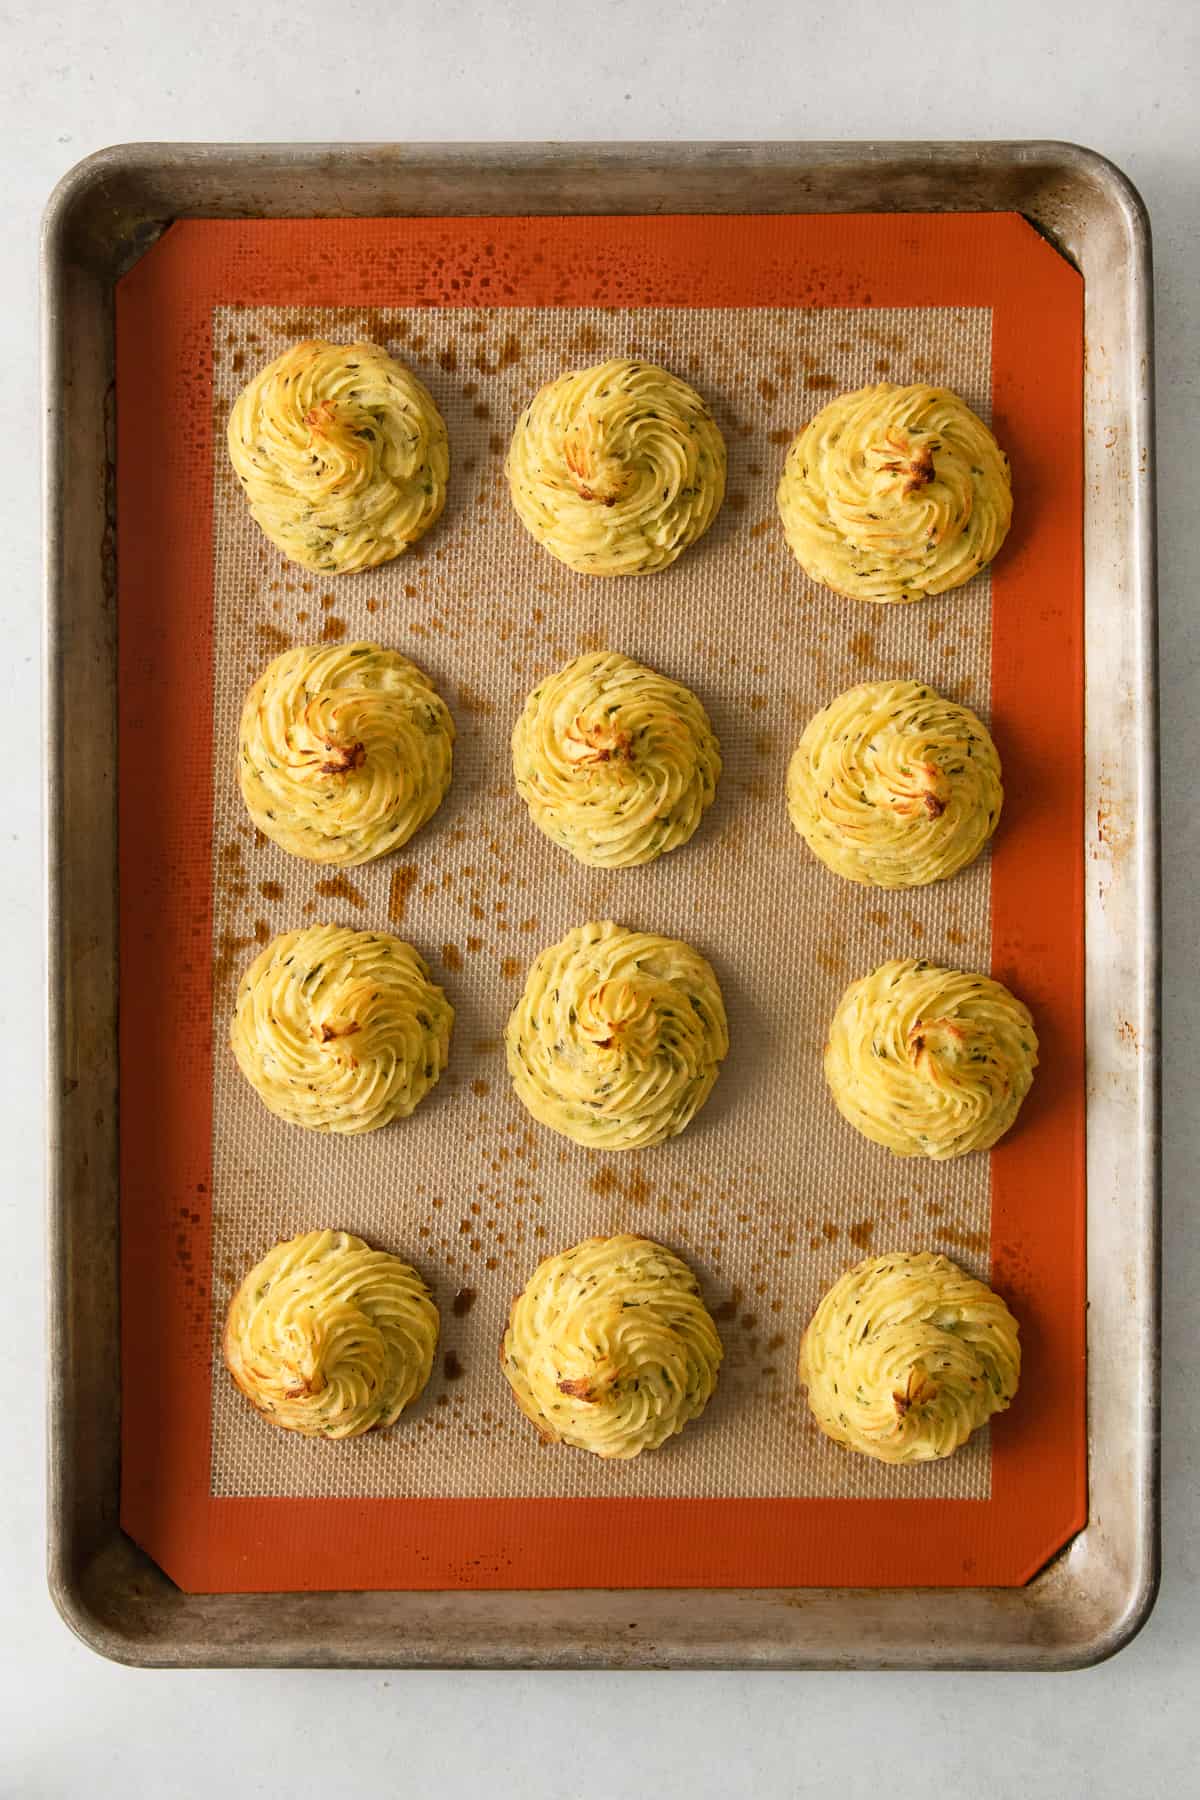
615 762
617 1038
340 1030
611 1347
906 1356
617 469
341 453
330 1338
894 786
930 1061
892 493
344 751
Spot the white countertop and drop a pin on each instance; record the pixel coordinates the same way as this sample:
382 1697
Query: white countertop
85 73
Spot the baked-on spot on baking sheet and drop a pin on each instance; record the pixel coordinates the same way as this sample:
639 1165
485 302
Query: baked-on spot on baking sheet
768 1195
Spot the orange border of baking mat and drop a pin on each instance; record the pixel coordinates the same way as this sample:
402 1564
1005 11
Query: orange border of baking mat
164 482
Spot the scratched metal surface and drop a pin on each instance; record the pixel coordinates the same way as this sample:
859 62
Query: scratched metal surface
1091 1598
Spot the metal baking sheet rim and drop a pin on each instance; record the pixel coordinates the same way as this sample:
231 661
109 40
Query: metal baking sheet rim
1092 1598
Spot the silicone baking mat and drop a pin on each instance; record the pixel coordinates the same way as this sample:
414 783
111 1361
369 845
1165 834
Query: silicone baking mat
769 1195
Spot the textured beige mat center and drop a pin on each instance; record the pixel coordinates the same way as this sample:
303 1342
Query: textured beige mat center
769 1195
